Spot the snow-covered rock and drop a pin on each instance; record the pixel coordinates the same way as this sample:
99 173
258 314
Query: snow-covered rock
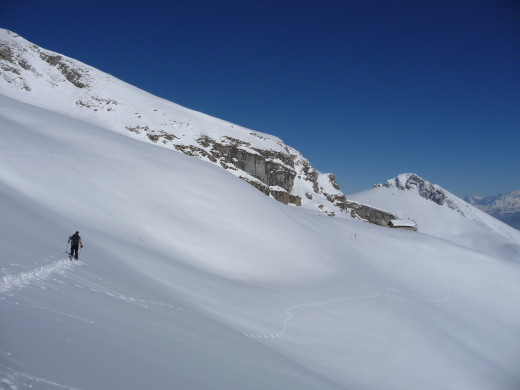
410 181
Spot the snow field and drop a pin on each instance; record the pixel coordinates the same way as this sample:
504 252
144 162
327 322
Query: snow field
191 278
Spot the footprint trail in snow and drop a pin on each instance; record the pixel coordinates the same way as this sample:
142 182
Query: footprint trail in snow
24 279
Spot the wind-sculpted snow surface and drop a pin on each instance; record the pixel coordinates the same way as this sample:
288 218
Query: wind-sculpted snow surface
191 279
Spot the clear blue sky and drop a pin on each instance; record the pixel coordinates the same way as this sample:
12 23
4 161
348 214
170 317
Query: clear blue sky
364 89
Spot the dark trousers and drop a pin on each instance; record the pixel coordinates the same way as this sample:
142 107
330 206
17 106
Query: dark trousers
74 248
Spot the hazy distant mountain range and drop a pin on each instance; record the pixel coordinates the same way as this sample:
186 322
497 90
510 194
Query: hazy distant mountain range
503 207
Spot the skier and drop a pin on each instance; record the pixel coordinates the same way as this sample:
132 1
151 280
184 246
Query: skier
75 241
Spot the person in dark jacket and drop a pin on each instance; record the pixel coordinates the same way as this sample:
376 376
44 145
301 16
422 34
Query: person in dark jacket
75 242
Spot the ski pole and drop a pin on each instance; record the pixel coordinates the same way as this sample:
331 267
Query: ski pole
67 248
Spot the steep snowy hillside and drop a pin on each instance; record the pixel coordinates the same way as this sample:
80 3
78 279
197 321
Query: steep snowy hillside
503 207
442 214
37 76
191 279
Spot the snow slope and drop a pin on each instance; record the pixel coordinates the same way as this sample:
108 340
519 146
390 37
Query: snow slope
192 279
412 197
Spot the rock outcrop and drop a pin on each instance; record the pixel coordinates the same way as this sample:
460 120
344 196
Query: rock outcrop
370 214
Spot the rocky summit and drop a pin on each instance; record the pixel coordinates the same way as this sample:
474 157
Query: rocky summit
427 190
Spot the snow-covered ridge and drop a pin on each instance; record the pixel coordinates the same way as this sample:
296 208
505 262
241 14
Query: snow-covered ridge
427 190
47 79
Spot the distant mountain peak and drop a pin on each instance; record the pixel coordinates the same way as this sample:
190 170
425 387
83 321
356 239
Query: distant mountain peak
427 190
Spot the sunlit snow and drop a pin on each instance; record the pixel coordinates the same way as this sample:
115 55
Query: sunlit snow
192 279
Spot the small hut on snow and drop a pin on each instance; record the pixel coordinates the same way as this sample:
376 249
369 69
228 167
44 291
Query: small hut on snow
403 224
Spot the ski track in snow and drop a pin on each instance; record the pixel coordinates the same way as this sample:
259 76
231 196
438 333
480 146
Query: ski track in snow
290 312
60 267
24 279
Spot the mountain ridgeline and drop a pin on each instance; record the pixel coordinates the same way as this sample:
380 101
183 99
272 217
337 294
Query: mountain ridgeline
33 74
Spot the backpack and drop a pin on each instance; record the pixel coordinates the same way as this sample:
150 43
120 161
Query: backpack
74 239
